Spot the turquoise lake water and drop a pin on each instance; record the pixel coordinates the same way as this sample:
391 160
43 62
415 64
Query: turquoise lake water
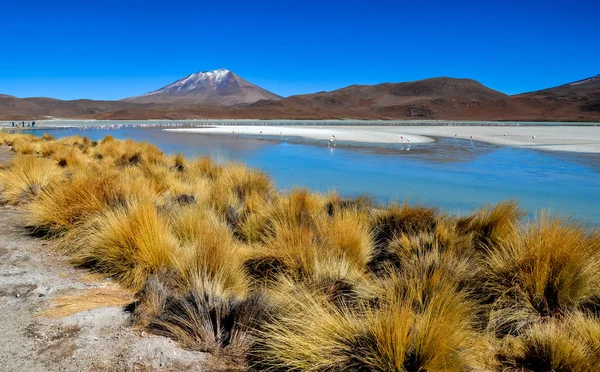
456 176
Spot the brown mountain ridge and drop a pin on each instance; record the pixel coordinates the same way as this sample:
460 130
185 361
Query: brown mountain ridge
435 98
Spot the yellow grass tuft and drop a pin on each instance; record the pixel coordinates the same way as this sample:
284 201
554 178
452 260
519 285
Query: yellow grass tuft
312 334
127 243
572 344
63 306
26 176
547 271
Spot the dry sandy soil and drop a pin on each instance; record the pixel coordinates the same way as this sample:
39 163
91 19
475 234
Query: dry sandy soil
31 276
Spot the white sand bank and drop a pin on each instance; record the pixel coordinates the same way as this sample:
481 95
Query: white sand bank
342 133
557 138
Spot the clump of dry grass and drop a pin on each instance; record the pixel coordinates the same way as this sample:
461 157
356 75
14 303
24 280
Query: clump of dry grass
48 137
335 203
492 224
64 206
572 344
312 334
207 251
311 247
547 271
394 222
26 176
91 299
127 244
203 318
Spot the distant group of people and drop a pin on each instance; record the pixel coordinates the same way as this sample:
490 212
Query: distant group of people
32 124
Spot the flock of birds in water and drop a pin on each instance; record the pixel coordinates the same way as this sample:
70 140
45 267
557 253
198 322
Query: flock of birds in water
330 143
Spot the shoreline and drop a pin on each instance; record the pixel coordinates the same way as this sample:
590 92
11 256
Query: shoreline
352 134
580 139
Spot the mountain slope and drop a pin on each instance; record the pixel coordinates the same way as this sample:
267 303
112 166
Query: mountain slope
434 98
591 84
392 94
581 96
219 87
13 108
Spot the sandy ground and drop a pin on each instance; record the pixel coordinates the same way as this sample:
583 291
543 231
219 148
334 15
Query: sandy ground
556 138
31 274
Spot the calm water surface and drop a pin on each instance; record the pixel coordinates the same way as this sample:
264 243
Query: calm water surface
456 176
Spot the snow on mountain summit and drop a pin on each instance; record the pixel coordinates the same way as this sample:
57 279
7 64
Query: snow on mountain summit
194 81
594 79
216 87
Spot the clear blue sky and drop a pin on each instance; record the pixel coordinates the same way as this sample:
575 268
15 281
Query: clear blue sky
115 49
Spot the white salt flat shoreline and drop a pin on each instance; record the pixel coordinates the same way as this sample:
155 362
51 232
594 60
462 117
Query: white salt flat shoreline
554 138
342 133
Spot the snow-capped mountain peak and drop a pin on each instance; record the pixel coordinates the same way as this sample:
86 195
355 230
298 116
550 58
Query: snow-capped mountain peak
200 79
216 87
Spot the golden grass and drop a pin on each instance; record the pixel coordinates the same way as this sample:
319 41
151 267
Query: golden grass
63 306
547 271
26 176
572 344
311 334
221 261
127 244
207 252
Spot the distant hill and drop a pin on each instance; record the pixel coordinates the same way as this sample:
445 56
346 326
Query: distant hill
219 88
222 95
588 85
391 94
422 98
581 96
13 108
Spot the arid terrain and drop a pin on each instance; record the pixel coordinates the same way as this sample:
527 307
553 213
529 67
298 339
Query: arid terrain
436 98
